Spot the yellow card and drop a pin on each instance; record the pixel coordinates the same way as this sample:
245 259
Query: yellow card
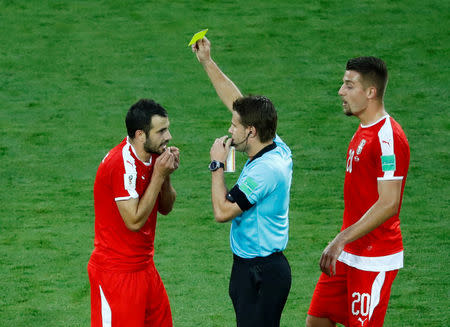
197 36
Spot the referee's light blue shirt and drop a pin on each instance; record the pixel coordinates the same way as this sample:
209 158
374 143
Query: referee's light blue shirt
265 181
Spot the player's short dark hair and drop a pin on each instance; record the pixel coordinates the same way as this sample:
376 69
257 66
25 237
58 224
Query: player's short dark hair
139 116
258 111
373 71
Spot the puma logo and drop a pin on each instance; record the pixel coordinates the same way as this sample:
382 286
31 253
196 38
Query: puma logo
387 142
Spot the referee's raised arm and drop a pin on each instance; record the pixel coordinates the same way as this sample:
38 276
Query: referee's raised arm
227 91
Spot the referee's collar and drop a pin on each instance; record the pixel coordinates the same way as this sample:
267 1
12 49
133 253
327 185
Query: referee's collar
264 150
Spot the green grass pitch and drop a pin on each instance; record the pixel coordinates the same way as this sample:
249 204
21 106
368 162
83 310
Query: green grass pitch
69 71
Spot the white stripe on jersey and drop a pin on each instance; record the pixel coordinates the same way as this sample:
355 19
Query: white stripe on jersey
386 138
106 310
376 292
130 176
384 263
130 171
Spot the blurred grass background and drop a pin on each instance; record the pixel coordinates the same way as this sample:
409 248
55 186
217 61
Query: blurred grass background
69 71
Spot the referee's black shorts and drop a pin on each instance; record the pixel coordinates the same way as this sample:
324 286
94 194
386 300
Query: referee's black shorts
259 288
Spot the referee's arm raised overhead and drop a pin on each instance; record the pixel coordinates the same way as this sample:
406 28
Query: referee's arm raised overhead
223 209
227 91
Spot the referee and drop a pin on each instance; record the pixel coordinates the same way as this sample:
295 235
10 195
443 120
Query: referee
257 205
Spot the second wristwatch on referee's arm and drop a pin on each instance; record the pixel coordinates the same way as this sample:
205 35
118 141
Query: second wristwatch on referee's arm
214 165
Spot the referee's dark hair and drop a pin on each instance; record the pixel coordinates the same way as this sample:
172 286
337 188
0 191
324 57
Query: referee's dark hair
140 115
258 111
373 71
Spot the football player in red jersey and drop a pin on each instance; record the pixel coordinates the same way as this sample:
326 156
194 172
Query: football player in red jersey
361 262
132 185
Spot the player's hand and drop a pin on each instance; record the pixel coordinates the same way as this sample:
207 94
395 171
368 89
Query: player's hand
220 148
165 164
330 256
202 48
176 153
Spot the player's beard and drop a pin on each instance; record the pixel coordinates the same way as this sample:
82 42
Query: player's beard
150 147
346 109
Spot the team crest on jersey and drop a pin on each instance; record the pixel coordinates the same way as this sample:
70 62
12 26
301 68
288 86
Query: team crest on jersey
360 147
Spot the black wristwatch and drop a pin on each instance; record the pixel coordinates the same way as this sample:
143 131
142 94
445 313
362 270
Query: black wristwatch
214 165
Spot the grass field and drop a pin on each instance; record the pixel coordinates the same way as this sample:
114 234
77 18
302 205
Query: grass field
69 71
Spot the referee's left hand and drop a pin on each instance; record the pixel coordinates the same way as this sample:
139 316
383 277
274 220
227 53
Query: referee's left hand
220 148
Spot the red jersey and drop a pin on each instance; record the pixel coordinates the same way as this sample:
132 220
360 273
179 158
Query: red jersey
121 176
376 152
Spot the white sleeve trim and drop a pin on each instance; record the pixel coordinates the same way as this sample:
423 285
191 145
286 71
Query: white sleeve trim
393 178
384 263
124 198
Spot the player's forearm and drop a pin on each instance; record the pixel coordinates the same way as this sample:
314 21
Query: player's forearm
137 220
227 91
218 196
167 197
374 217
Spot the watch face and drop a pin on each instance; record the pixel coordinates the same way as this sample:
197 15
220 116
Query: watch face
214 165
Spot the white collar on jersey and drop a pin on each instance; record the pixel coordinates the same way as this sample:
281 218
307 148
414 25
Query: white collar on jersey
134 151
384 117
